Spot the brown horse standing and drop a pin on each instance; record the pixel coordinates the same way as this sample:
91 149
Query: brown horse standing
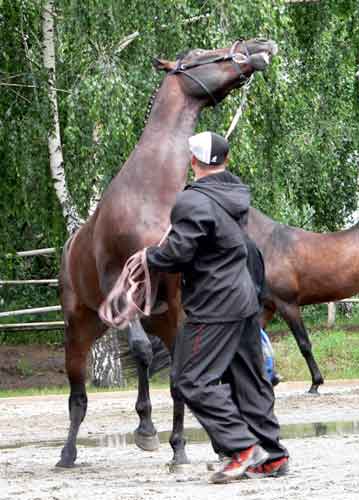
302 268
134 213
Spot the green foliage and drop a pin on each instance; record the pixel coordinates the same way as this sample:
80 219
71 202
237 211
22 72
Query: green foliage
296 145
336 352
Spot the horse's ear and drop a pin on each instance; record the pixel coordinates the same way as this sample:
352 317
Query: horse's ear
163 64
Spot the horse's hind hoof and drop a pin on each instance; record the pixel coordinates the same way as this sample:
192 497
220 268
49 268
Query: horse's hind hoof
179 468
314 390
147 443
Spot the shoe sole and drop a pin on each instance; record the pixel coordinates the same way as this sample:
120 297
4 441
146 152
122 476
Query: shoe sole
282 471
259 457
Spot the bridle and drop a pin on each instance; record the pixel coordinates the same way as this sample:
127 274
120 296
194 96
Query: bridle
232 56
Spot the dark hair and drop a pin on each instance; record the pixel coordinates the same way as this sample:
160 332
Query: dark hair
209 166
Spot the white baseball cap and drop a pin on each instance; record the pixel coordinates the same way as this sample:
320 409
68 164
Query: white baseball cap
209 147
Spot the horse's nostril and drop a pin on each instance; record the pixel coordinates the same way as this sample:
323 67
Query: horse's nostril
274 48
259 61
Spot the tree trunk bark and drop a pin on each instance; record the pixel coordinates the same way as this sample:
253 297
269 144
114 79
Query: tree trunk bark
106 367
72 218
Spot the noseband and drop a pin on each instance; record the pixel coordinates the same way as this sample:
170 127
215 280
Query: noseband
232 56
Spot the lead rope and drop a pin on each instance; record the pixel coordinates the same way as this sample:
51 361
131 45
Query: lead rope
132 294
242 105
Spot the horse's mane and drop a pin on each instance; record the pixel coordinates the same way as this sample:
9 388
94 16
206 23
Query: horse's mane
179 56
182 54
151 102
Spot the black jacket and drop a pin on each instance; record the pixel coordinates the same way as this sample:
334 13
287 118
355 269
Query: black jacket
207 245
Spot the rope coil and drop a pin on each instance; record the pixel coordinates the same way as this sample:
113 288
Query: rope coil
133 294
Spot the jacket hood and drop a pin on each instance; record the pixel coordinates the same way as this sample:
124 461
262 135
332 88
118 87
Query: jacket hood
228 191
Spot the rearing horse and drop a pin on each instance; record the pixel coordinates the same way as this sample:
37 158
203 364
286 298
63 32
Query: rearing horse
134 213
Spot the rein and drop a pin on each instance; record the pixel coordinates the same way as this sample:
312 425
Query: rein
182 68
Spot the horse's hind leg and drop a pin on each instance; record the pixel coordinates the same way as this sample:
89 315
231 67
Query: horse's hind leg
145 435
177 440
82 328
291 314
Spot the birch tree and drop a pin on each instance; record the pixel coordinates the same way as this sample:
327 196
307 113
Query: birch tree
70 213
106 364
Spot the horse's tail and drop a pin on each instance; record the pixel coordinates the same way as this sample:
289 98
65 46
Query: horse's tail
161 357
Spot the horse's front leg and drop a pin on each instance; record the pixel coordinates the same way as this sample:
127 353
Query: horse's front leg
146 436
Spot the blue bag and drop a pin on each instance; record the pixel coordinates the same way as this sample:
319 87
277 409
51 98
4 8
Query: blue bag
268 355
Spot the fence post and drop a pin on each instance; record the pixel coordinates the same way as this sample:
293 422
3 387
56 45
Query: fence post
331 314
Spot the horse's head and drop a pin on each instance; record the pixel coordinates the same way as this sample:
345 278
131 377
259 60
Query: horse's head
211 74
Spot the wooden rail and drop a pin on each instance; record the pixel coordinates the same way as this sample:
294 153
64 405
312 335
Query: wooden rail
50 282
42 325
39 251
35 310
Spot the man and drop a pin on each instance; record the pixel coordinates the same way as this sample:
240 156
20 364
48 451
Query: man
220 338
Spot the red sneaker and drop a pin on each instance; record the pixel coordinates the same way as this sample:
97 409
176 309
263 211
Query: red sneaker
235 467
276 468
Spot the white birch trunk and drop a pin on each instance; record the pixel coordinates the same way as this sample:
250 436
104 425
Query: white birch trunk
96 192
69 210
106 368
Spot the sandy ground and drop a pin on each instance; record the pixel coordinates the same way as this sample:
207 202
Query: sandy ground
32 430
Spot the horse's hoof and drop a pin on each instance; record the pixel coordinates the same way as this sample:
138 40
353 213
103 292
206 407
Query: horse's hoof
147 443
179 461
314 390
65 464
68 458
179 468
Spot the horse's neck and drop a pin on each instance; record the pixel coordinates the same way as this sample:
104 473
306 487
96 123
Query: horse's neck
162 153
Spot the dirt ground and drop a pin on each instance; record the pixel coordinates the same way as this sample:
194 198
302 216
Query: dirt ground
31 366
32 430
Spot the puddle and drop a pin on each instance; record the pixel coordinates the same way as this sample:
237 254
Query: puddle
195 435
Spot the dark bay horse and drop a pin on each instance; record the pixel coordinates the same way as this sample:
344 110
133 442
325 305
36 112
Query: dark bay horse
134 213
302 268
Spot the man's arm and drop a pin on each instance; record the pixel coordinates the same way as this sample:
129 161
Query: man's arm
189 225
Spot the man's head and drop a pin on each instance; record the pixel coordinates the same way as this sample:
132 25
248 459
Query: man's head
209 153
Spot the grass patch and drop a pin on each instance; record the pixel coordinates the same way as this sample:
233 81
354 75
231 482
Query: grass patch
336 352
159 382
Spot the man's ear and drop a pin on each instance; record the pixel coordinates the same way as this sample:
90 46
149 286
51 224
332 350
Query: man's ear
163 64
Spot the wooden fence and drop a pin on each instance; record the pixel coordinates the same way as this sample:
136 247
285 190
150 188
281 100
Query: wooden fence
54 325
34 325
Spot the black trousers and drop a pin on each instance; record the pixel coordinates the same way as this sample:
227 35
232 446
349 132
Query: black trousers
218 370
